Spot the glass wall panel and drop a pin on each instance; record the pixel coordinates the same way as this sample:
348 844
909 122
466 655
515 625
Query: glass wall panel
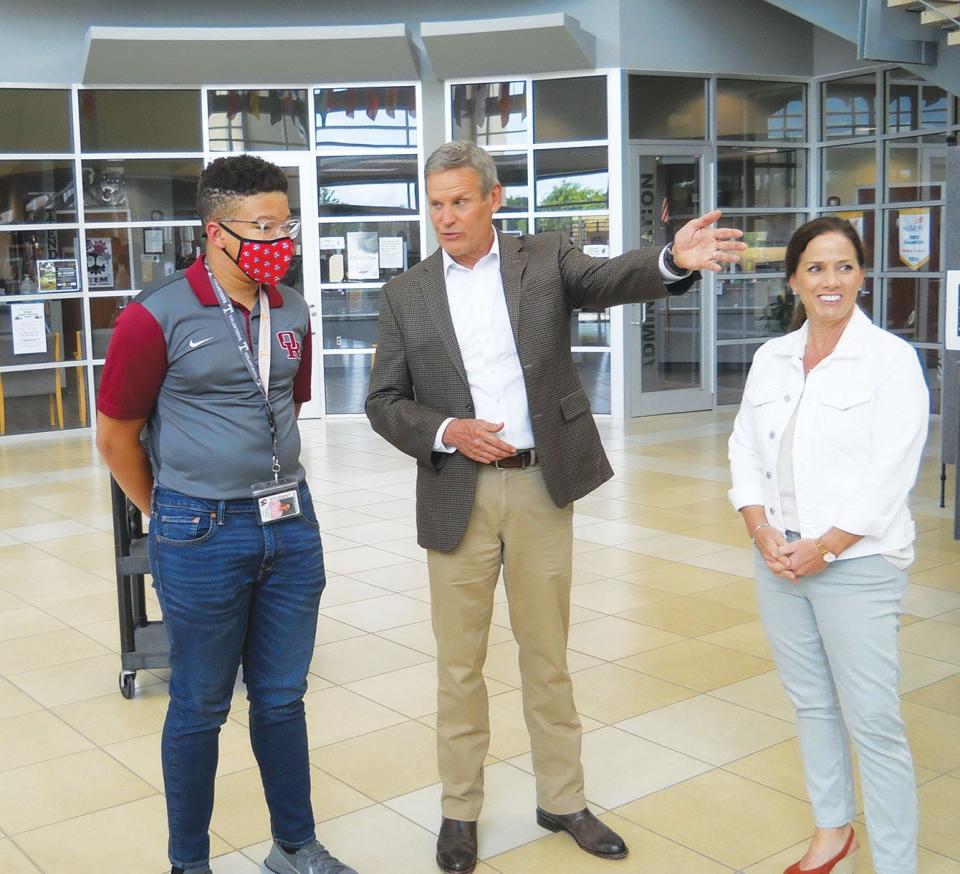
848 107
566 110
151 189
512 173
104 312
241 121
916 168
345 379
35 120
590 232
667 107
367 251
767 237
753 308
34 192
757 177
931 360
366 117
122 259
140 120
512 226
493 114
863 221
34 261
571 179
756 111
733 364
593 369
350 317
913 103
848 175
590 328
913 308
368 185
913 239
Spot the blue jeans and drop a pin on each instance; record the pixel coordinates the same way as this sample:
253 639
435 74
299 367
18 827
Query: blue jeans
834 639
234 592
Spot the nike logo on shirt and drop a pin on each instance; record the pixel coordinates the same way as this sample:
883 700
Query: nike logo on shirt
195 343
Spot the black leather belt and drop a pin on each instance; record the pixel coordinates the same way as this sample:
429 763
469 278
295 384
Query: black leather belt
524 458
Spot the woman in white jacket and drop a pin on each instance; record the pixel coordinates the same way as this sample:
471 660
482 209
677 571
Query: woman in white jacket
824 452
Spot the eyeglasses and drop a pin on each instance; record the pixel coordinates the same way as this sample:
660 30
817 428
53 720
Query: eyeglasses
272 230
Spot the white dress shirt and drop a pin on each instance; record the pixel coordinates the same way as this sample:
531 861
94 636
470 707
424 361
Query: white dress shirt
860 428
478 308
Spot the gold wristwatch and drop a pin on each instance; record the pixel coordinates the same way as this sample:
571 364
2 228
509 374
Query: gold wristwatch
825 552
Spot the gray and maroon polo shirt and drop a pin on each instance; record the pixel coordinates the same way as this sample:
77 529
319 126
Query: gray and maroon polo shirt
174 361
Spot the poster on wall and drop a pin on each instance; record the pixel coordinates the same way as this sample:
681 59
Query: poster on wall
393 255
363 255
58 274
914 229
856 219
100 262
29 329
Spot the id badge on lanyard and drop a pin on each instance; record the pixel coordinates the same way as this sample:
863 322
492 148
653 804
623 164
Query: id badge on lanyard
277 498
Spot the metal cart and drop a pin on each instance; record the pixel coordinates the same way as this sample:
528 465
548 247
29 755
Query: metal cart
143 642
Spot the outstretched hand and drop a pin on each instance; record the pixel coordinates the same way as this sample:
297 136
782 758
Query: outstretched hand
697 246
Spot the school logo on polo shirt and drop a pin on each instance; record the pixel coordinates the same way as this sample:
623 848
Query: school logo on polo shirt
288 340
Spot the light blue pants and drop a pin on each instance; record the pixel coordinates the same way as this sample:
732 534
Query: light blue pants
834 639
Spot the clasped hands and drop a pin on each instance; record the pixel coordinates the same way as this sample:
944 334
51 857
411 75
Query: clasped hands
801 558
697 246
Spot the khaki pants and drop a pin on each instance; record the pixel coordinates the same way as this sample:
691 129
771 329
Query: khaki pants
515 523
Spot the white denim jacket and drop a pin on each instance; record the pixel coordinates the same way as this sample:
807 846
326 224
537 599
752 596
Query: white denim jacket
860 432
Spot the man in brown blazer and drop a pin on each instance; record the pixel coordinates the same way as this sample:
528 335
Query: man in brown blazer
475 379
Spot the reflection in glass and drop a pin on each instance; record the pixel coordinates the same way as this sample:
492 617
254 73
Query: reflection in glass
849 107
345 381
104 312
590 328
593 369
931 360
368 185
753 308
45 399
733 364
571 179
39 261
590 232
35 120
667 107
367 251
913 239
671 343
757 177
151 189
368 117
513 226
669 195
916 168
753 111
35 192
241 121
490 113
766 237
350 317
567 110
863 223
122 259
913 308
913 103
133 120
849 175
512 174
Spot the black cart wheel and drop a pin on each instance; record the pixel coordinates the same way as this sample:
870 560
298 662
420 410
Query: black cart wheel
128 684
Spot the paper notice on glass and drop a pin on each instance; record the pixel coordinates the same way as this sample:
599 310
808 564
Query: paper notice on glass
914 228
336 267
331 243
391 253
363 255
29 329
597 251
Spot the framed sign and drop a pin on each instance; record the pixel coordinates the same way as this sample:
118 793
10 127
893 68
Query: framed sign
153 241
58 274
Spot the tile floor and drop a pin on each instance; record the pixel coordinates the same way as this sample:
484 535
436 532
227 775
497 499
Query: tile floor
689 750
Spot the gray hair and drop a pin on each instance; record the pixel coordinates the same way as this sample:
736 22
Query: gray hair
452 156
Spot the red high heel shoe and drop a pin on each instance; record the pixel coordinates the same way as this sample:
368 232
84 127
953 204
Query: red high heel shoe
843 863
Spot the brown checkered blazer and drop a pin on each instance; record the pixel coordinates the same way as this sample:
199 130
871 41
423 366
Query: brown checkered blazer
418 379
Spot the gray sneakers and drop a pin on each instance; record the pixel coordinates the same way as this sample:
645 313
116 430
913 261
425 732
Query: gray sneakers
311 859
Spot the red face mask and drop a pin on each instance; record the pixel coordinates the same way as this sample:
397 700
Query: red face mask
263 260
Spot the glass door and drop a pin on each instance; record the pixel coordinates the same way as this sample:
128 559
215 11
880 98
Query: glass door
668 353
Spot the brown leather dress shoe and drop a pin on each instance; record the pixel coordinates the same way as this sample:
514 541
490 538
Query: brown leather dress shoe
457 846
591 834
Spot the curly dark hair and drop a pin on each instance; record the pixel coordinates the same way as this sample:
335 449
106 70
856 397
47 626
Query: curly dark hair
235 176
